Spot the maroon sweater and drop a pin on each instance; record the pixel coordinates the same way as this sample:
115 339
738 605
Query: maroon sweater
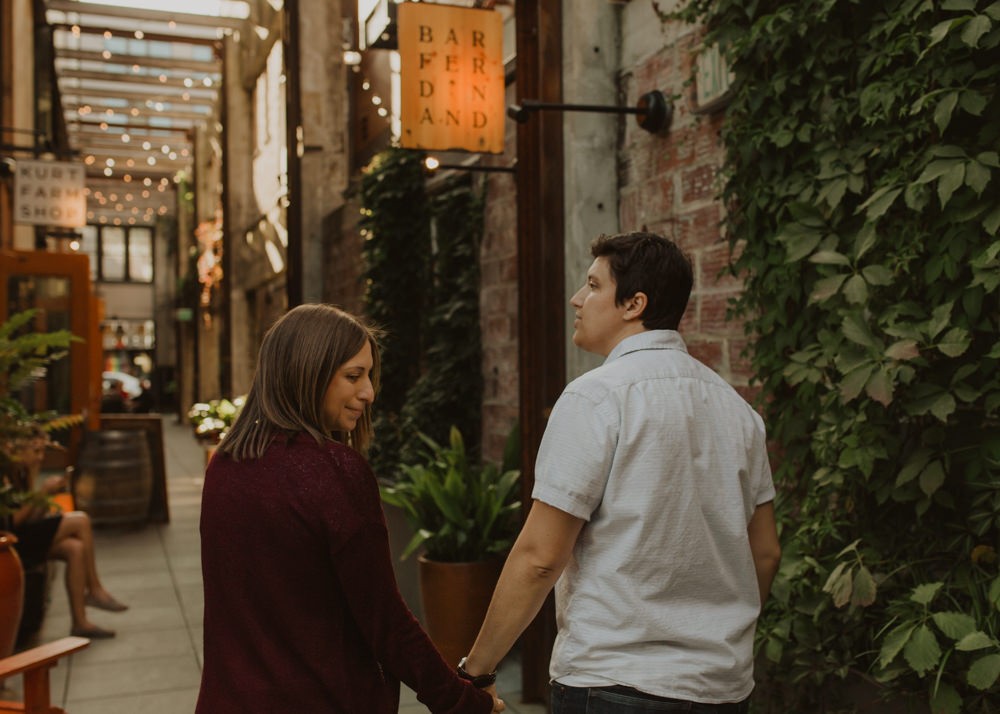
302 612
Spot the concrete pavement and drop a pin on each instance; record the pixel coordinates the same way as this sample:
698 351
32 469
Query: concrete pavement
153 666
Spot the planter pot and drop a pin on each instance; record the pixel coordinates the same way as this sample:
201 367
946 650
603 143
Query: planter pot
11 593
455 597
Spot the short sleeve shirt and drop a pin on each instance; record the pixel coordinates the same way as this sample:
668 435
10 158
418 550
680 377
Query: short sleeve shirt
667 463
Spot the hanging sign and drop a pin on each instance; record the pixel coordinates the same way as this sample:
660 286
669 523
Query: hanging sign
451 77
49 193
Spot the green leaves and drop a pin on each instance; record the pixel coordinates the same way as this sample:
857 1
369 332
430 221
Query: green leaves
460 512
872 286
922 651
984 672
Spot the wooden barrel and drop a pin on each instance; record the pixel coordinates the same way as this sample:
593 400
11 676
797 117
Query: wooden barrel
114 477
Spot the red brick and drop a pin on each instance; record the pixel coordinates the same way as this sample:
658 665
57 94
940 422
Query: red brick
713 271
698 184
699 228
708 352
712 320
739 365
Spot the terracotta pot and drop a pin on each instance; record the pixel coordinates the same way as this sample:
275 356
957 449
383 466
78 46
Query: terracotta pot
11 593
455 597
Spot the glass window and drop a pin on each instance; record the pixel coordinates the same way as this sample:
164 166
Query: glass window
112 253
140 255
88 247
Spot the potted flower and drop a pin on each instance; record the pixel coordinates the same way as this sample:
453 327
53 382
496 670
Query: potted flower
211 420
464 516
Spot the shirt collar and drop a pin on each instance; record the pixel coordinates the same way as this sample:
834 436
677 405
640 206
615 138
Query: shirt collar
648 340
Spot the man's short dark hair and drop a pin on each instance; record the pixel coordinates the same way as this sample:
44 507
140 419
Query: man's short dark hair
651 264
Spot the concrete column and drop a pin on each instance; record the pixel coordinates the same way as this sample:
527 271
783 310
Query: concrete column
591 51
22 113
324 102
240 208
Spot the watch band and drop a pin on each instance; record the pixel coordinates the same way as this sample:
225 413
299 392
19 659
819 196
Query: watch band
479 681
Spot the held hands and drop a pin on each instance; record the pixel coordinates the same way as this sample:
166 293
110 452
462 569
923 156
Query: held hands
53 484
498 705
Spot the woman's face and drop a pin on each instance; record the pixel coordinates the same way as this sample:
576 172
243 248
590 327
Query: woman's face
349 392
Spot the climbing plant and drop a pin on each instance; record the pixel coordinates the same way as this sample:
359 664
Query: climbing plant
449 391
396 229
422 275
862 178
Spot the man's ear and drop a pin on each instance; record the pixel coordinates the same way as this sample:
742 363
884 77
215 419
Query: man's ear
635 306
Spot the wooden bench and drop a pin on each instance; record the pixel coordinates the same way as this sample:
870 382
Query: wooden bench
35 664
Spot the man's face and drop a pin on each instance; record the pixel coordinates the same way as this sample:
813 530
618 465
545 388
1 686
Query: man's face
599 323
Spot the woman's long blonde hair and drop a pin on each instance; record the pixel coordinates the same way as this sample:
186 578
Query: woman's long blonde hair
298 357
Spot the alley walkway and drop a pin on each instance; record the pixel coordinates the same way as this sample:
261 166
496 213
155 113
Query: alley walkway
153 666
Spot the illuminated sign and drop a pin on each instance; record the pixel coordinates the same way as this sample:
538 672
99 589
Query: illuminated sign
49 193
452 78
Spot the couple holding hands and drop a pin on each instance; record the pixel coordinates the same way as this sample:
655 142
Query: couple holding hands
652 518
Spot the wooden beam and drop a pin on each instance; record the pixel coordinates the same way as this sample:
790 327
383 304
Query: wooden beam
130 34
100 110
169 94
202 66
132 13
129 78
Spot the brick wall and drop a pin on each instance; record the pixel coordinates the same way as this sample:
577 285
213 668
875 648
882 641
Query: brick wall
669 185
498 304
343 284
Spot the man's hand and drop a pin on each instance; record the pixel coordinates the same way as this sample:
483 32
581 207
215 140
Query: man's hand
498 705
53 484
538 557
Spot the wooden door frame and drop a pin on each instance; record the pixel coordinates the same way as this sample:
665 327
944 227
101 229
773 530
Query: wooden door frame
541 282
85 357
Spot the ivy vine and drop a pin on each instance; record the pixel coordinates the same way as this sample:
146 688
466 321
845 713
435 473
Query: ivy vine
395 226
421 257
862 173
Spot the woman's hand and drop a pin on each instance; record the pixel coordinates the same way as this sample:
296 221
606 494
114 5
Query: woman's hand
53 484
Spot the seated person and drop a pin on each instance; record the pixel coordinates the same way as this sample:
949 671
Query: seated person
43 535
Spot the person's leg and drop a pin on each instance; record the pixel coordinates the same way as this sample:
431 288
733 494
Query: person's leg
76 525
71 550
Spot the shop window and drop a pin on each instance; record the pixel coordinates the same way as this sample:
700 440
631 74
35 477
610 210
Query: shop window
119 254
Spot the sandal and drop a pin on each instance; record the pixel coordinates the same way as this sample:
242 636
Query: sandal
94 632
111 605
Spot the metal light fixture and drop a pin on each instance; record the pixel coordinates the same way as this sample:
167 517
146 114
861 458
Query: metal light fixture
432 164
653 110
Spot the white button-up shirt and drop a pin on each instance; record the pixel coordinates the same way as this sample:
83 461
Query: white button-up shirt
667 462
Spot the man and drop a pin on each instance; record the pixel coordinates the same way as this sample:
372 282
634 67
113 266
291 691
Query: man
652 509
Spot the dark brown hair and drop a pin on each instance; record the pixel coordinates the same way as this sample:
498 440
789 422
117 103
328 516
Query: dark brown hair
650 264
298 357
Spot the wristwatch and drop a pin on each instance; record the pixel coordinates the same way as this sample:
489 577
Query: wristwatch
480 681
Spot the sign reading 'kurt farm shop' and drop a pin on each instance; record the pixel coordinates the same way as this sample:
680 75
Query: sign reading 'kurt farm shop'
50 193
452 79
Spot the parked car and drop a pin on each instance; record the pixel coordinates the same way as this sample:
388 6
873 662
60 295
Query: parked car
130 385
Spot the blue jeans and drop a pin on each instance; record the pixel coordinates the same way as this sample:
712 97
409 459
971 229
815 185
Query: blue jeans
623 700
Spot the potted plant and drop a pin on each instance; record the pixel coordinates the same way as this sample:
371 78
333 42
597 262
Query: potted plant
464 516
24 356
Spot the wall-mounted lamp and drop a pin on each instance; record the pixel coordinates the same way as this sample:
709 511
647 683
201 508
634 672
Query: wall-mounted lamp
432 164
653 111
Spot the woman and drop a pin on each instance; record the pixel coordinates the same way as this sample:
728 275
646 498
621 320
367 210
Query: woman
302 612
69 537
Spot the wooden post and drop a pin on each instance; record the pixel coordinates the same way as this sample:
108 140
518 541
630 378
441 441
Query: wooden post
541 302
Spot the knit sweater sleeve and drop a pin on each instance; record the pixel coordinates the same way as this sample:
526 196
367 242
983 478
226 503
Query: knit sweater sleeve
363 566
